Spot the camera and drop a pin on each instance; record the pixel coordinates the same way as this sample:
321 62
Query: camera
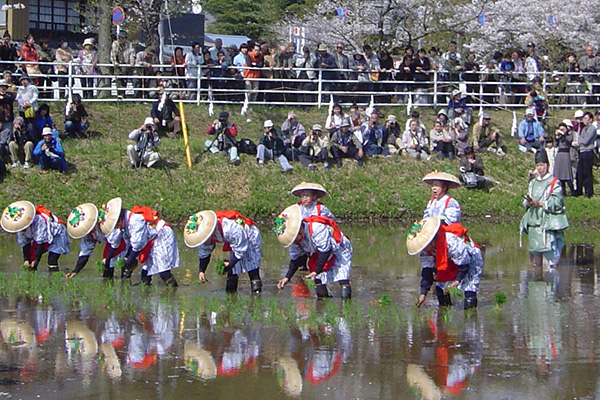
223 120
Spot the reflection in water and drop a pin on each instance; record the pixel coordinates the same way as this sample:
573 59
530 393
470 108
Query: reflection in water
540 344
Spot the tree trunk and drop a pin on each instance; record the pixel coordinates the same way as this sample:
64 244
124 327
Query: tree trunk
104 13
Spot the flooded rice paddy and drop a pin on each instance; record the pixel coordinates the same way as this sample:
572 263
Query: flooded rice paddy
87 340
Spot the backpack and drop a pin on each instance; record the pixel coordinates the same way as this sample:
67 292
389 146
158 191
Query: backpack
246 146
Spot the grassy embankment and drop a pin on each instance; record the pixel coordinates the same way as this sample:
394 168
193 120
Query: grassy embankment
385 188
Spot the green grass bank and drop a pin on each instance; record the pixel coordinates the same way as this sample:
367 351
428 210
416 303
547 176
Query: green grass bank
385 189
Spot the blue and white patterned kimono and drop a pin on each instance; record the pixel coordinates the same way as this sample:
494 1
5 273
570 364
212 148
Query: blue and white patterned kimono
164 254
322 241
46 230
137 232
245 242
89 242
445 208
460 253
315 208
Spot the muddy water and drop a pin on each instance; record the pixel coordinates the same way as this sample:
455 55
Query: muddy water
542 344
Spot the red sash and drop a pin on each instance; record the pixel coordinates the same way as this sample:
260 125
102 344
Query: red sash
234 215
45 213
119 250
445 267
337 236
445 204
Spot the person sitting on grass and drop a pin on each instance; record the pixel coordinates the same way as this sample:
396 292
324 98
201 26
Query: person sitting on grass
486 137
413 141
166 114
372 135
314 149
344 144
531 133
271 146
20 140
225 132
442 141
471 169
50 153
77 120
42 119
146 140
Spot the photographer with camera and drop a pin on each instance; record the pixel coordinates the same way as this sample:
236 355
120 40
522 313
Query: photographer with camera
372 135
224 141
166 114
271 146
50 153
314 149
146 138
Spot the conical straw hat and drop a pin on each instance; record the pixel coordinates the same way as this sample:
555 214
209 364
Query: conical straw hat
82 220
421 234
108 215
321 192
199 227
17 216
199 361
452 181
287 225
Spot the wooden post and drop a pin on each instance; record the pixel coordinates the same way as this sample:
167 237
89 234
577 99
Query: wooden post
186 142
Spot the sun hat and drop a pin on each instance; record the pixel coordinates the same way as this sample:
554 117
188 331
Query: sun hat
345 122
108 215
287 225
3 82
568 123
17 216
149 121
391 118
199 227
24 76
268 124
578 114
89 41
421 234
317 127
199 361
452 181
455 92
530 111
46 131
321 47
321 192
21 332
82 220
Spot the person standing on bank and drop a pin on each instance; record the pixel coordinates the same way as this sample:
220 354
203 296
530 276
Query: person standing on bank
587 142
563 170
545 219
239 235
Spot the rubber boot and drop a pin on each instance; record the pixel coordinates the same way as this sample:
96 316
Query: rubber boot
470 300
346 292
125 273
232 284
146 280
443 297
108 273
322 292
168 279
256 286
52 268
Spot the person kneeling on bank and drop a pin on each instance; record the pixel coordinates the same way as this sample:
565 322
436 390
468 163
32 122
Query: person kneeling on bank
224 141
146 138
449 257
318 241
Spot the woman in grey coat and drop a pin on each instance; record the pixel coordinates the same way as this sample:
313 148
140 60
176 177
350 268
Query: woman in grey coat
562 162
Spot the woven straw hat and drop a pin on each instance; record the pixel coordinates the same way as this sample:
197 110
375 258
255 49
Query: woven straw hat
288 225
452 181
321 192
421 234
19 333
199 361
17 216
108 215
82 220
199 227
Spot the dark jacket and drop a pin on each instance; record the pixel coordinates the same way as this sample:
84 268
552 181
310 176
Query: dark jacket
349 139
476 167
168 112
6 107
274 143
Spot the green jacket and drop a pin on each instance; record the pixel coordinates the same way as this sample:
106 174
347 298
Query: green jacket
551 216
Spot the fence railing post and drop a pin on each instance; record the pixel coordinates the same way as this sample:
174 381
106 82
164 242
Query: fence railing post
70 81
435 88
320 88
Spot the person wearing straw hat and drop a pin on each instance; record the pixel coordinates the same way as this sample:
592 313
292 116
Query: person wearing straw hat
448 257
318 241
309 193
38 231
441 205
88 60
241 238
151 241
544 221
82 224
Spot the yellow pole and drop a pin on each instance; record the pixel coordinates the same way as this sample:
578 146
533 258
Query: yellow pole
186 142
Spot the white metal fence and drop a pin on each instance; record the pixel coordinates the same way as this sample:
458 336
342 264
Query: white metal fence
307 87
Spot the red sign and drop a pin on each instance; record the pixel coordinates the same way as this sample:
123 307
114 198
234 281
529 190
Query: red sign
118 15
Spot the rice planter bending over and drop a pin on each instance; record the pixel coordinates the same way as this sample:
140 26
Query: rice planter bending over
319 241
38 231
544 221
241 238
448 257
